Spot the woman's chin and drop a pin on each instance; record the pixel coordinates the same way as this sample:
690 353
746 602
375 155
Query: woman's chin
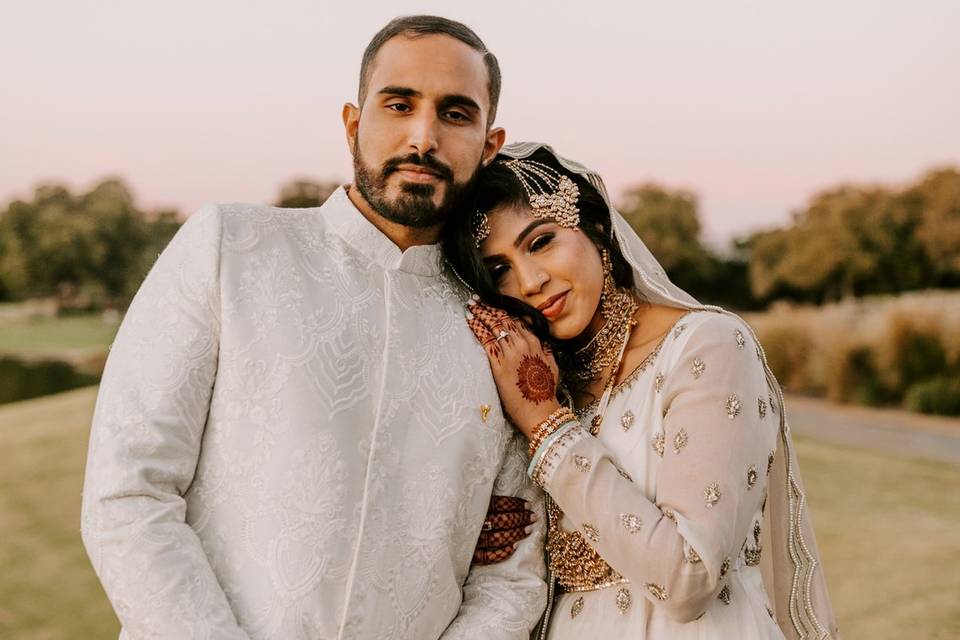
564 329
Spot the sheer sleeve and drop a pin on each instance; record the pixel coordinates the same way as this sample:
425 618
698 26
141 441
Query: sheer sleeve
715 439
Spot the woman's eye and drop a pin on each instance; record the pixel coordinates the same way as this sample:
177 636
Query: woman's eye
541 241
497 271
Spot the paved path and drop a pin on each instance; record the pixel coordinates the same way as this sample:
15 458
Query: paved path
888 430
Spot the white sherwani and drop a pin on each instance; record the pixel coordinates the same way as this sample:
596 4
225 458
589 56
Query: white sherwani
289 442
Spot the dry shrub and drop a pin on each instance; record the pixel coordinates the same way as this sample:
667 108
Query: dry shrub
869 350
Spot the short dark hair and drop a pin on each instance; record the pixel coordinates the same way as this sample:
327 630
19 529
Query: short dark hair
418 26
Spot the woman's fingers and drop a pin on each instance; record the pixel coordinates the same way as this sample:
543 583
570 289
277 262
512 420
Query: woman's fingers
480 329
492 556
504 504
493 540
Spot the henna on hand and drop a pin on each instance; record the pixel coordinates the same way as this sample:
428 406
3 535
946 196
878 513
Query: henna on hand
493 540
492 556
535 380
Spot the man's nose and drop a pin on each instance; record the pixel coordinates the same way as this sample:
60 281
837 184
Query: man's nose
423 132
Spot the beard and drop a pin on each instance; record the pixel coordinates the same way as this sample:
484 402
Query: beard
414 206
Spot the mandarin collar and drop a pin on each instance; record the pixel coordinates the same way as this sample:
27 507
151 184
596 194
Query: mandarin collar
344 219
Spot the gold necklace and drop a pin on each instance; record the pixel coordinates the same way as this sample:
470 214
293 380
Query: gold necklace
617 308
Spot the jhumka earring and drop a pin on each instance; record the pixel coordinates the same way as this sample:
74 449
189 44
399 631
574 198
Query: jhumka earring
617 308
551 195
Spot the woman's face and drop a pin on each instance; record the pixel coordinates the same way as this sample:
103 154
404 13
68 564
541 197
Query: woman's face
552 268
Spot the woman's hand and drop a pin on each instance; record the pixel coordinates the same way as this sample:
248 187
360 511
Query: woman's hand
508 521
523 368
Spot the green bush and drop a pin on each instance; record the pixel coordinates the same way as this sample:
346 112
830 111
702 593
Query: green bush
855 378
940 395
918 355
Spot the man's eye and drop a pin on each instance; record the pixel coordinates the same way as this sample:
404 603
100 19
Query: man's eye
541 241
398 107
457 116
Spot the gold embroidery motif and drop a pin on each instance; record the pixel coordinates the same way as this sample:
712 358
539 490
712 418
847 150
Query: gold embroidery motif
626 420
679 441
658 443
691 555
711 495
659 592
752 555
680 328
658 382
484 412
591 533
595 422
623 599
576 565
762 407
725 567
770 462
733 406
669 515
631 522
724 594
623 474
666 410
576 607
697 368
739 337
751 476
581 463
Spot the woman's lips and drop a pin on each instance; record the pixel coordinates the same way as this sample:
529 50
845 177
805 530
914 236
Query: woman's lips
555 305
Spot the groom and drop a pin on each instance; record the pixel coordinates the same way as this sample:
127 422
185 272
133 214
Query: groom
297 435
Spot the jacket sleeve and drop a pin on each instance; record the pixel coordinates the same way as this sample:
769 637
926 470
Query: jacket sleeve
504 601
145 443
715 439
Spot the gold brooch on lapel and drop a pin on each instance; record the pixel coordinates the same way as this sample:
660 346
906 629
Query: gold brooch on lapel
484 412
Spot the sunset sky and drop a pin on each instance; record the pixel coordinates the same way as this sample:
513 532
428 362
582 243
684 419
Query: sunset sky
754 106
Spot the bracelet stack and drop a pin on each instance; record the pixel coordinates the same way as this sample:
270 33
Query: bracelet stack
553 422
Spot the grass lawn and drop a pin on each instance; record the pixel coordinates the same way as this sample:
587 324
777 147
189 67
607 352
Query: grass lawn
887 529
62 338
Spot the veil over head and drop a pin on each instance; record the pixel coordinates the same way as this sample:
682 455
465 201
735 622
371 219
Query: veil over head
791 567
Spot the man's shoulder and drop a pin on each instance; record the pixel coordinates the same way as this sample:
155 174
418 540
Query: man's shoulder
250 210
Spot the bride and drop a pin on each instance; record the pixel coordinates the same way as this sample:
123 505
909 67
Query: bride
675 507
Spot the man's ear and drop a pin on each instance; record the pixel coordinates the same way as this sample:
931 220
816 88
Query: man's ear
491 146
351 122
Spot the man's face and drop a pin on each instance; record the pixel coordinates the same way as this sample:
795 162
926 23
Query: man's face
421 134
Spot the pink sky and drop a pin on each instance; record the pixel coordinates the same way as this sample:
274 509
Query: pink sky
752 105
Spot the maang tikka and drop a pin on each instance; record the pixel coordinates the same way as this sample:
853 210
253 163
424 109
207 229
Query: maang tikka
551 195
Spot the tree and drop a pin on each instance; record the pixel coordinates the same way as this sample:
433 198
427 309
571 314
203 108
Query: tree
305 193
94 247
668 223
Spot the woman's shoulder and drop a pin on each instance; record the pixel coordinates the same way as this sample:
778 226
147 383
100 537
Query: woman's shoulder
715 327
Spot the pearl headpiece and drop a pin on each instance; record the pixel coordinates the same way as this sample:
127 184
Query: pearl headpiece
551 195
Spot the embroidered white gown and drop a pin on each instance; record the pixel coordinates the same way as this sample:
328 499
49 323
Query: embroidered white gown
670 493
289 443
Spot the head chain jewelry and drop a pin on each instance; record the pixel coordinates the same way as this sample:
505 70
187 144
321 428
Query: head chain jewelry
551 195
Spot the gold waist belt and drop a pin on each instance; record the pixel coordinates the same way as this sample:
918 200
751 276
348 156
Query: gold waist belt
573 562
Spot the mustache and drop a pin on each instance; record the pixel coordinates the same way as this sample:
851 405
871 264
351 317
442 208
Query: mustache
427 162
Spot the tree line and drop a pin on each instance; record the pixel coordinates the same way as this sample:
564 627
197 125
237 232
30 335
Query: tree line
92 249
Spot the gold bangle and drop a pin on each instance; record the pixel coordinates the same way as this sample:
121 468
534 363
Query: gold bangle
553 422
